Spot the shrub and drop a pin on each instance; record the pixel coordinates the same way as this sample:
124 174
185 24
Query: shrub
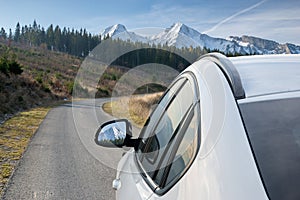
39 79
4 66
70 86
10 66
14 67
46 88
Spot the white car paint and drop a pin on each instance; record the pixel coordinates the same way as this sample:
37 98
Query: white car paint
268 74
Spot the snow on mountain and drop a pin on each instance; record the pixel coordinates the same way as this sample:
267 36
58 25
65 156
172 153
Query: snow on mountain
120 31
180 35
112 134
113 30
291 48
264 46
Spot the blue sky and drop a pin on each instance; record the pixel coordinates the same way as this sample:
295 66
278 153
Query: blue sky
272 19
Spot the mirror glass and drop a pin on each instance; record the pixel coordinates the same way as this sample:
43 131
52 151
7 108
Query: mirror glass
112 134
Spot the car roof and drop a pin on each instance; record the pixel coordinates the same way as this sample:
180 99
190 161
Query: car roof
268 74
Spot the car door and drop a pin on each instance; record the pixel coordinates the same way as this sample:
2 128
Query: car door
170 139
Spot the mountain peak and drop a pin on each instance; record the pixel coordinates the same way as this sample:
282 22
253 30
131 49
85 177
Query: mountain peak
178 24
113 30
183 29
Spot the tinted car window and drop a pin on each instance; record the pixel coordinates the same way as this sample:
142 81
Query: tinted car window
274 131
182 152
154 117
159 141
185 152
147 134
171 145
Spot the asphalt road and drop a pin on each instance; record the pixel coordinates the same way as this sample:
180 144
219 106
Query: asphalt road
60 163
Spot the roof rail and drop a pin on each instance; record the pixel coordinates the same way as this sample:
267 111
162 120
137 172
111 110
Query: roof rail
229 71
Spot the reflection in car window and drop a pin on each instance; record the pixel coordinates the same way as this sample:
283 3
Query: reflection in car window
152 120
185 152
166 129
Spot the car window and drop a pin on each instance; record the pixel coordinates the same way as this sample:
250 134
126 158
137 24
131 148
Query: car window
168 122
154 117
157 149
183 150
273 129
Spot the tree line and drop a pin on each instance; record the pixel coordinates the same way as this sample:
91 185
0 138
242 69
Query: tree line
139 53
71 41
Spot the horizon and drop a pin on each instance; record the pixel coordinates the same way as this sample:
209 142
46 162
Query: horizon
268 19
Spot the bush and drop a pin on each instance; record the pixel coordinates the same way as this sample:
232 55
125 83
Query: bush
4 66
46 88
39 79
11 66
14 67
20 99
70 86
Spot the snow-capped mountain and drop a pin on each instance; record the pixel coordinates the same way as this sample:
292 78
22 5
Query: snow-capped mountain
180 35
263 46
113 30
119 31
113 133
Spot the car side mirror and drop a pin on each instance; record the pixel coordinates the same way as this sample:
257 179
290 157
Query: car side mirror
115 133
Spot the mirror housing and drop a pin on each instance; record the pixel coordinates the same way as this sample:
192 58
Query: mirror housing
115 133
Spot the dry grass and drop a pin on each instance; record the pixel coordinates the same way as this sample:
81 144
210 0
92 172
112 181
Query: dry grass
135 108
48 76
15 135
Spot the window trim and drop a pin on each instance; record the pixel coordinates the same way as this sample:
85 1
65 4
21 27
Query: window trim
162 190
177 133
189 76
182 131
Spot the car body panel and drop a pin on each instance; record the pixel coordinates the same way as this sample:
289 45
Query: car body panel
133 186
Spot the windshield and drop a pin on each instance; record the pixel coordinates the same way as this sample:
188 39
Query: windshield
274 131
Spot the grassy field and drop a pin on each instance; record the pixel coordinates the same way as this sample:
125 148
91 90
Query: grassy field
135 108
15 135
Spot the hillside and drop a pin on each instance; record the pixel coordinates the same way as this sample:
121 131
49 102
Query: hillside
47 77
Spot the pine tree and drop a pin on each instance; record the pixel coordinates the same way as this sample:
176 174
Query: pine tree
3 33
10 36
57 39
17 33
42 36
34 26
50 37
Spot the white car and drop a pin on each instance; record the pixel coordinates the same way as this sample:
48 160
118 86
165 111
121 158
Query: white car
226 128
